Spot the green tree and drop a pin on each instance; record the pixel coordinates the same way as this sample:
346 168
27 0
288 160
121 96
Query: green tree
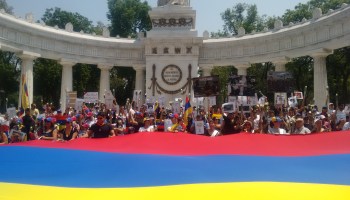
337 64
86 77
9 72
122 82
128 17
47 81
242 15
6 7
56 16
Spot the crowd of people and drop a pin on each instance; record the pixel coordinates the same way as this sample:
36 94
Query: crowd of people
96 121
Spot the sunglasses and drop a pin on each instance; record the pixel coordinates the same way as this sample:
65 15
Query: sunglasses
99 117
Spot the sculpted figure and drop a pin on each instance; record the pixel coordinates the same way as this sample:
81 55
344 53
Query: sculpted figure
172 2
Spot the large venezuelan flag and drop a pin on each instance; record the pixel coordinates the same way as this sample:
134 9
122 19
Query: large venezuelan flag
179 166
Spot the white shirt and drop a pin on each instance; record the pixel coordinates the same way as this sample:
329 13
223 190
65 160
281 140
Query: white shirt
280 131
149 129
346 126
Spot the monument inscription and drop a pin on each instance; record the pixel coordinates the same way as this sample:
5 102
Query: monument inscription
171 74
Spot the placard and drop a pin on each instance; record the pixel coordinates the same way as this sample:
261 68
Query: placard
230 107
11 112
167 124
293 102
109 98
71 99
161 100
176 107
239 85
199 127
79 105
206 86
91 97
280 99
299 95
212 101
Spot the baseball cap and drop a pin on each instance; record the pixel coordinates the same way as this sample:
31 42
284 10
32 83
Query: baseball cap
276 119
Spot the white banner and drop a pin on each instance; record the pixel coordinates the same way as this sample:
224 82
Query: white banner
91 97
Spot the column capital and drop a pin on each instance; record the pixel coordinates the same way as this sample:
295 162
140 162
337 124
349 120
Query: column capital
206 66
242 65
25 55
281 60
105 66
320 53
67 62
139 67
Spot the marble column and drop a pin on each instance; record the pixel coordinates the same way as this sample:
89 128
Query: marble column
67 82
320 80
104 80
206 69
140 81
27 74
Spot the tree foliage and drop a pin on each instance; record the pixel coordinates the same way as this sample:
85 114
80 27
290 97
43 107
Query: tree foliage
246 16
3 5
56 16
47 81
242 15
85 77
122 83
128 17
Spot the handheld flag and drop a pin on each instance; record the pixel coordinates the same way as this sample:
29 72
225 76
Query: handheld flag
25 95
188 110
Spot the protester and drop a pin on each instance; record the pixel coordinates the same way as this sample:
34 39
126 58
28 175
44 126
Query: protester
300 128
69 132
147 126
50 132
3 136
276 127
100 129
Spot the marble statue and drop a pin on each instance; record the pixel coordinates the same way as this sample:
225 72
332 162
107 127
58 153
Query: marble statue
173 2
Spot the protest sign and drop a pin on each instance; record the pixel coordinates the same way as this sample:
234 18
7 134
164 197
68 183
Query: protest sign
199 127
91 97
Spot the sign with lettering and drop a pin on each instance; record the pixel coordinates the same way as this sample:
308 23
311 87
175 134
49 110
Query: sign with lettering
91 97
172 75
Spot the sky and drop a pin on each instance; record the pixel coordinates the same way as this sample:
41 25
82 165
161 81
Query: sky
208 11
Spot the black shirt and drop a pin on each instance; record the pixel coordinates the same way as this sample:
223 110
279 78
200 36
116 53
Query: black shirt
101 131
